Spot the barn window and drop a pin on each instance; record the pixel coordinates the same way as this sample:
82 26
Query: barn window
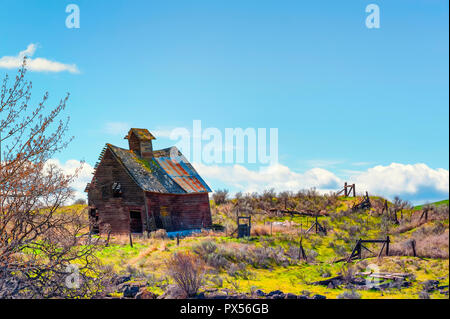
117 189
106 192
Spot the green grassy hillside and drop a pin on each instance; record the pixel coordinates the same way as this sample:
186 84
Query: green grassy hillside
437 204
269 259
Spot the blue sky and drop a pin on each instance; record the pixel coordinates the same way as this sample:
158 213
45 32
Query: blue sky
345 98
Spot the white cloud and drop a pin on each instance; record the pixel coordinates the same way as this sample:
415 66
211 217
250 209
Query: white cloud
84 175
276 176
418 182
116 128
36 64
411 181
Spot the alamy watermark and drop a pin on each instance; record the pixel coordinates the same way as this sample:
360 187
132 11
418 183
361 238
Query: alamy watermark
73 19
73 279
233 145
373 19
372 281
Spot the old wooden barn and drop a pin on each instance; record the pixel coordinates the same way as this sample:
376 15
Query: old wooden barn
141 189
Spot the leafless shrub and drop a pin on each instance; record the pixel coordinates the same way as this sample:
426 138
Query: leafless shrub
187 271
217 281
220 196
207 250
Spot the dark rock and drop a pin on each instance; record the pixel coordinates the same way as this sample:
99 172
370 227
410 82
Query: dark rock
260 293
290 296
430 285
319 297
200 295
275 292
302 297
122 287
359 281
218 297
130 291
121 279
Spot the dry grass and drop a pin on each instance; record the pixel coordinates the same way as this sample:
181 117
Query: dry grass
267 229
428 245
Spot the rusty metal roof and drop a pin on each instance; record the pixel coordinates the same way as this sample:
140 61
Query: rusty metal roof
180 170
168 171
141 133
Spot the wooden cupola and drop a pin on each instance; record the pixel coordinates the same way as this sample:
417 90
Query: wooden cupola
140 142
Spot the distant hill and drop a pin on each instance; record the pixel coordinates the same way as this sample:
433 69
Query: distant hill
437 204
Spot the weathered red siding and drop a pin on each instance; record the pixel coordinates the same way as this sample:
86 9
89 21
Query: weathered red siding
115 211
178 212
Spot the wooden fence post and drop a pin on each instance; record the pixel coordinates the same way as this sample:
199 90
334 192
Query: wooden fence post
413 246
131 241
387 245
316 224
107 239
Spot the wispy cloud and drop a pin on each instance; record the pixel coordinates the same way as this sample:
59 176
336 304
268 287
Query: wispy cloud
362 163
324 163
116 128
36 64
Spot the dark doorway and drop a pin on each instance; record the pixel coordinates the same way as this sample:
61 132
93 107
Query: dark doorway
93 221
135 222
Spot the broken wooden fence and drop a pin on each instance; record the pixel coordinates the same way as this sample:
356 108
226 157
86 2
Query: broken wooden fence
319 228
347 190
357 250
365 203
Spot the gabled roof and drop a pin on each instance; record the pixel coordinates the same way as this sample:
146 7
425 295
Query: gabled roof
141 133
168 171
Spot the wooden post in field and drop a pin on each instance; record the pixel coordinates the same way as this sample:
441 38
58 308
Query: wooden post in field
107 239
131 241
316 224
345 189
354 191
413 246
178 239
387 245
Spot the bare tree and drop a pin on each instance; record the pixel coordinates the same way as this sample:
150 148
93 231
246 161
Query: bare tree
42 254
